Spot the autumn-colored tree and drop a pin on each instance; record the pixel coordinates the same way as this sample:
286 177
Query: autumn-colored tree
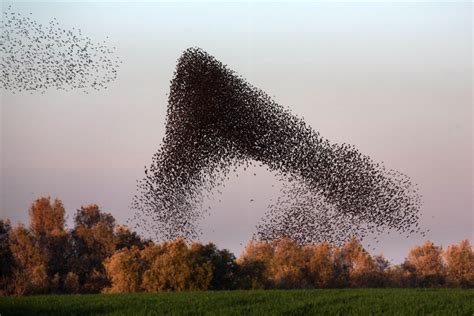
171 266
93 242
99 256
46 217
30 263
460 264
320 265
427 264
125 269
280 263
177 268
254 265
47 228
287 265
47 243
357 262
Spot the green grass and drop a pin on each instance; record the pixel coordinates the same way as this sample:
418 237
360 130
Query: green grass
271 302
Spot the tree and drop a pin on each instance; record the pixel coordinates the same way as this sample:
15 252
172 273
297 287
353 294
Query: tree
47 228
251 274
397 276
90 216
30 263
427 263
460 264
124 238
93 241
47 218
280 263
320 265
174 267
224 267
379 275
125 269
341 275
381 263
287 265
254 265
6 258
357 262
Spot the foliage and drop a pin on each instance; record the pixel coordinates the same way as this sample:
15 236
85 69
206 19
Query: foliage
177 268
6 257
93 242
97 255
427 263
125 268
460 264
47 218
30 263
320 265
48 258
254 265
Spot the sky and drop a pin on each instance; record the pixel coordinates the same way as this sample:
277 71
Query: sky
393 79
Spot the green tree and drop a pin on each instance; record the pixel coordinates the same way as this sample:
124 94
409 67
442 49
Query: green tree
251 274
224 267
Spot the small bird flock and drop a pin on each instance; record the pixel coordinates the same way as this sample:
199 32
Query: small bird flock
217 122
37 57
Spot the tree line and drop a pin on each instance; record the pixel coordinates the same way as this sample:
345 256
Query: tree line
97 255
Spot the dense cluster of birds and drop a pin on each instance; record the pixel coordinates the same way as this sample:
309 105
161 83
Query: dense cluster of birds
217 122
37 57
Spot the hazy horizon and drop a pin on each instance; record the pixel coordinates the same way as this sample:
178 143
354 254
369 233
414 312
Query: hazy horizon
393 79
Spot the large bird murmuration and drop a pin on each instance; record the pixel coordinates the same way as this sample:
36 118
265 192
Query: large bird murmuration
217 121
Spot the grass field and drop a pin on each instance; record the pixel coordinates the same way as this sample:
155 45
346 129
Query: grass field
292 302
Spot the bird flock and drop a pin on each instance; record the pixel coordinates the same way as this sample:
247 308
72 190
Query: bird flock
217 122
37 57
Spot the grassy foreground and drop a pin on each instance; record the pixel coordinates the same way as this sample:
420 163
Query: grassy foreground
262 302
